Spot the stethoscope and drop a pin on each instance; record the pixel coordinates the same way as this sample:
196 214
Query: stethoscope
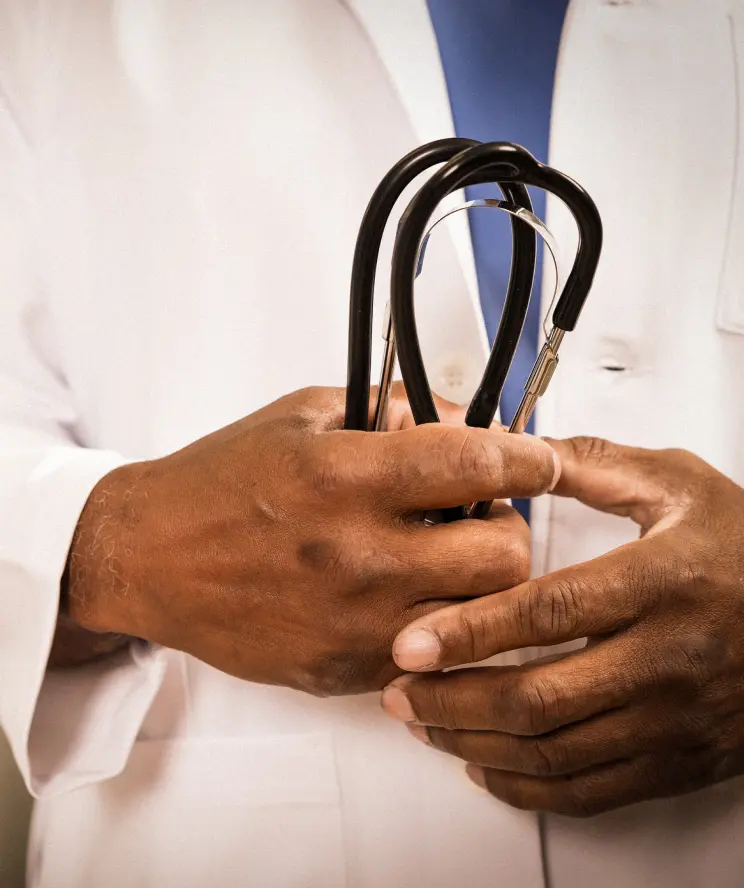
465 162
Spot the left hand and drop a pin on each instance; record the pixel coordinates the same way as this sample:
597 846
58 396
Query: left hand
653 706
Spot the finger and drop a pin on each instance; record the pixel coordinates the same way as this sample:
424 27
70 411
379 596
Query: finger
630 481
439 466
463 559
594 598
620 734
606 788
534 699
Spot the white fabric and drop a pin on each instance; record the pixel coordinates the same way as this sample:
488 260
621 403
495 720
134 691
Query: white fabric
192 245
661 161
44 478
180 188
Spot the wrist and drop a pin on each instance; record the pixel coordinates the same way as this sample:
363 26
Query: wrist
100 587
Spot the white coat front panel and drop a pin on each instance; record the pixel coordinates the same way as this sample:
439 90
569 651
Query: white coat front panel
202 171
186 283
648 117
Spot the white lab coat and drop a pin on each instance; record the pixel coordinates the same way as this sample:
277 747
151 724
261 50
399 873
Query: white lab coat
180 187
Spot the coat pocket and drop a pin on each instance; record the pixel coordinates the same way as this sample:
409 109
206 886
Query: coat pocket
186 813
731 290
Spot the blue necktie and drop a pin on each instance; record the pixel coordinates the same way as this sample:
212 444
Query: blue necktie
499 59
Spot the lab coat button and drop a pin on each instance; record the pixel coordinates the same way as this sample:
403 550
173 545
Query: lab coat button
456 379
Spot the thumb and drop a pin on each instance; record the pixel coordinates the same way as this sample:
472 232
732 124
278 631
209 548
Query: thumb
630 481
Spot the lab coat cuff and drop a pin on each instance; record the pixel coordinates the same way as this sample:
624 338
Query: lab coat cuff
74 726
87 719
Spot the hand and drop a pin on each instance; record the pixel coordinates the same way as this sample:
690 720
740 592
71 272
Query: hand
653 706
284 550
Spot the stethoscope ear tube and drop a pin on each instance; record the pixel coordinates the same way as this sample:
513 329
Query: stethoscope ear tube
364 268
505 163
589 223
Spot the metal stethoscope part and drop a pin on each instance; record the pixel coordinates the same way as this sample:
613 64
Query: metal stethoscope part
543 370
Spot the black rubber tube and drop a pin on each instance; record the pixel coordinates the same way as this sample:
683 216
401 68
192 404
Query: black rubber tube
364 268
505 163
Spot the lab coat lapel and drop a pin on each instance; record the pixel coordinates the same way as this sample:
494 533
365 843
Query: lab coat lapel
404 38
405 41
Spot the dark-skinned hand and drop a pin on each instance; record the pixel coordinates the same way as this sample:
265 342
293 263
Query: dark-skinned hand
285 550
653 706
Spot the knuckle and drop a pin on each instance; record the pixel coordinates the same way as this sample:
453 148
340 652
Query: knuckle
688 474
695 658
310 394
566 608
683 459
527 609
370 570
690 662
475 634
474 459
317 407
547 758
443 703
650 673
305 403
537 703
546 612
687 665
591 450
647 582
346 567
330 472
692 577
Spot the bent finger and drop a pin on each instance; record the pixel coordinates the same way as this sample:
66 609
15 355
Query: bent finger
465 559
619 734
601 789
633 482
594 598
529 700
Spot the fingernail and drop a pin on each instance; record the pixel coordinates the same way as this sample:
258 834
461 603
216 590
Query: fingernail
397 704
416 649
420 733
556 461
556 471
477 775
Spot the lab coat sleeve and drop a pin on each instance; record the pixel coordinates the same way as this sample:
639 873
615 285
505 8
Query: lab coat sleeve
75 726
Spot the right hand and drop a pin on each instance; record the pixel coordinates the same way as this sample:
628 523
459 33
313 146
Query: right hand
284 550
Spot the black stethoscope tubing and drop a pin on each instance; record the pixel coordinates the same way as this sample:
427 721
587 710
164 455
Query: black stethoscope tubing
364 271
465 162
